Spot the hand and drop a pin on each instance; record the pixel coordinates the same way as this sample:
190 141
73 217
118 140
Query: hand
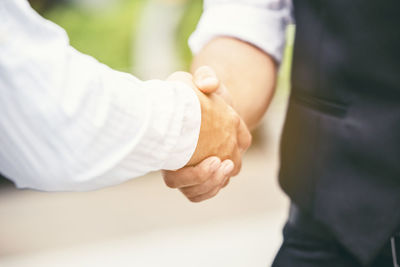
207 81
202 181
222 133
206 179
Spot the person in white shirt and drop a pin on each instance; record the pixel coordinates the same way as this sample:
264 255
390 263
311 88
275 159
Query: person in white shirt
70 123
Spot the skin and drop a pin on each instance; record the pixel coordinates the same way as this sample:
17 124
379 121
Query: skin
222 133
245 77
248 73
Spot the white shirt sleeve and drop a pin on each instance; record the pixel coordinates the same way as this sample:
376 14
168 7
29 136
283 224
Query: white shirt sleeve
259 22
70 123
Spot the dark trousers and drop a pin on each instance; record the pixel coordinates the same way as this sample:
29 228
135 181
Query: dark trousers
308 244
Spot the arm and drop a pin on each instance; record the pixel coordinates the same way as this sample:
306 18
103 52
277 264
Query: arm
71 123
247 72
250 91
242 40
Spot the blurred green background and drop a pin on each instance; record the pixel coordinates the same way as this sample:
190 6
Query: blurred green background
108 32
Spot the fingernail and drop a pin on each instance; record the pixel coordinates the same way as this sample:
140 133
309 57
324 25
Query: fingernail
209 81
228 167
214 165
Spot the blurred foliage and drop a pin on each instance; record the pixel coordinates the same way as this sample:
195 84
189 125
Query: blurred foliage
108 34
104 33
284 81
188 25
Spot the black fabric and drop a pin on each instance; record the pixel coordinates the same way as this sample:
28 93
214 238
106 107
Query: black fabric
309 244
340 149
4 181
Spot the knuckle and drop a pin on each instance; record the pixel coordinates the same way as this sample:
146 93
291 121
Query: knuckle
189 196
190 192
248 141
202 171
226 182
218 180
201 178
164 174
237 160
236 120
233 150
202 174
237 169
169 182
195 199
214 182
232 143
238 163
213 194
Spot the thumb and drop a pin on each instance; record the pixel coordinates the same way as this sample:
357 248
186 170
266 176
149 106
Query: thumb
206 80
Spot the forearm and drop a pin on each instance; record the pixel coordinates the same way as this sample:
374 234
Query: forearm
72 123
248 73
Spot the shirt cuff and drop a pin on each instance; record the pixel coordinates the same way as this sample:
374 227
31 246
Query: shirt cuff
262 27
170 138
185 134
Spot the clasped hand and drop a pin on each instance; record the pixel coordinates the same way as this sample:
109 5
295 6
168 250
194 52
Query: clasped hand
222 141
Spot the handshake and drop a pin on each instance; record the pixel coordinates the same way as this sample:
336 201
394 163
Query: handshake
223 139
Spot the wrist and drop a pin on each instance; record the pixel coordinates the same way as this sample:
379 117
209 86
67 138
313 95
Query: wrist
187 136
204 104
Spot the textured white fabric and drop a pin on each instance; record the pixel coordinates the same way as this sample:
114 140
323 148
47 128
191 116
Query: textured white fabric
259 22
70 123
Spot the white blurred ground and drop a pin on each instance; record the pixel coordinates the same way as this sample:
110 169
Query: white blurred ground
144 223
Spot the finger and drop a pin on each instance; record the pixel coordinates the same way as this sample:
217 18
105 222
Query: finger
210 194
237 159
206 80
215 180
206 196
227 172
209 185
189 176
243 136
226 182
228 167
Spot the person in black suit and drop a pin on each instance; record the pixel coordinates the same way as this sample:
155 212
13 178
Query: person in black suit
340 150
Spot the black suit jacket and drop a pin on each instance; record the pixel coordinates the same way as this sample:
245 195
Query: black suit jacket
340 152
